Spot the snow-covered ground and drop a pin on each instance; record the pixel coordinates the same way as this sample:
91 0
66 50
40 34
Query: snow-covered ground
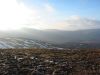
23 43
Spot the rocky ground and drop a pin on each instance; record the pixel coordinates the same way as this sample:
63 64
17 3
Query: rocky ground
49 62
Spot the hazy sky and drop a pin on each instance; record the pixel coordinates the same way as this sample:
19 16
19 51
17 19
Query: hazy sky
50 14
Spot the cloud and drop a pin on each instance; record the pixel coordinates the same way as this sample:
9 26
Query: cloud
77 23
49 8
14 14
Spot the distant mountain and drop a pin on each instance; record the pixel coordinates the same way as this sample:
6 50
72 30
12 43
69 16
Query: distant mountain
56 37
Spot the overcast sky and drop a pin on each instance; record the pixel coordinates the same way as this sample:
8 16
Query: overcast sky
50 14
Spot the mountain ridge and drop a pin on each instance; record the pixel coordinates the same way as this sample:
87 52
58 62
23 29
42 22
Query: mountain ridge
55 36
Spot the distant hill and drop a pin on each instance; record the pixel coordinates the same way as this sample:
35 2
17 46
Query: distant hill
57 37
6 43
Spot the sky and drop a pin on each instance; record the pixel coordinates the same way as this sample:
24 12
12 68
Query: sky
50 14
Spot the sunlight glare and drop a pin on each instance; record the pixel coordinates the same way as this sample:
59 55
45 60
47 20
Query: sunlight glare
13 15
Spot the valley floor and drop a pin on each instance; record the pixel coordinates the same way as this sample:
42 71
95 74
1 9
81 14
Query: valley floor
49 62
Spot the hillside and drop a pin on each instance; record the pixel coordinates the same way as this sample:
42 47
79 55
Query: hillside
55 36
13 42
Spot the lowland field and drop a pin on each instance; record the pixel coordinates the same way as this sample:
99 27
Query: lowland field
49 62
